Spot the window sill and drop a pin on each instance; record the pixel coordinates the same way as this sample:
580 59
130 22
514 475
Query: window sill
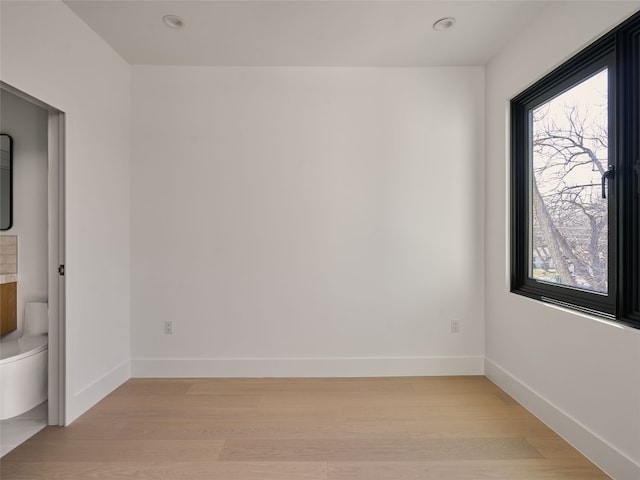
619 324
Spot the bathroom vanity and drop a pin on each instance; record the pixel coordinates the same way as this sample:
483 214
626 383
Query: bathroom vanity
8 307
8 283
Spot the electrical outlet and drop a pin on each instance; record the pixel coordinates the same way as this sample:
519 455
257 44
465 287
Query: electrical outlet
168 327
455 326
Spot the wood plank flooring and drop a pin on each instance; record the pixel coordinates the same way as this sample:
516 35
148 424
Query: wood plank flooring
408 428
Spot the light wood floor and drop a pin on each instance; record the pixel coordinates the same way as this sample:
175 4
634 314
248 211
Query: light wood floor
445 428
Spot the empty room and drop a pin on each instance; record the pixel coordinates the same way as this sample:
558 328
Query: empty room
321 240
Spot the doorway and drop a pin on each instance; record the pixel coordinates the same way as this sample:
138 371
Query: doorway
52 271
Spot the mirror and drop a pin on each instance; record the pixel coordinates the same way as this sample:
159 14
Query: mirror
6 181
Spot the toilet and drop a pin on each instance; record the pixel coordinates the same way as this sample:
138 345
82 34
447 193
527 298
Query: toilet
24 364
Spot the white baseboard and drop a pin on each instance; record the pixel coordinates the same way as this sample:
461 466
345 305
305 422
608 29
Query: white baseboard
307 367
88 396
604 455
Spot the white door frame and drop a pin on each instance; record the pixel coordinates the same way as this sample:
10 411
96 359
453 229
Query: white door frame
56 229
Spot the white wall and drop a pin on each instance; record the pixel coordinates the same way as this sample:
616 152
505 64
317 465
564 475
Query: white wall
307 221
580 375
27 125
47 52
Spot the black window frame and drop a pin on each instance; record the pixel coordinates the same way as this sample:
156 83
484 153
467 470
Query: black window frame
619 52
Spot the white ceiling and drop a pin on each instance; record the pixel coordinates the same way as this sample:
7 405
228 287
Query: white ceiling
306 33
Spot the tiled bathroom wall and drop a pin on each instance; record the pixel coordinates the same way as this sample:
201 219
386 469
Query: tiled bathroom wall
8 258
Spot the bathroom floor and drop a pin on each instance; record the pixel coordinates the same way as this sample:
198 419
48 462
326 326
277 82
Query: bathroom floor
16 430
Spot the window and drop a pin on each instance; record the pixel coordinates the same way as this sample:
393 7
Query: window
575 181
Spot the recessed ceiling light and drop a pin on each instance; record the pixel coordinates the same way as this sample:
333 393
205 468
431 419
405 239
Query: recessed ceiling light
173 21
444 23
